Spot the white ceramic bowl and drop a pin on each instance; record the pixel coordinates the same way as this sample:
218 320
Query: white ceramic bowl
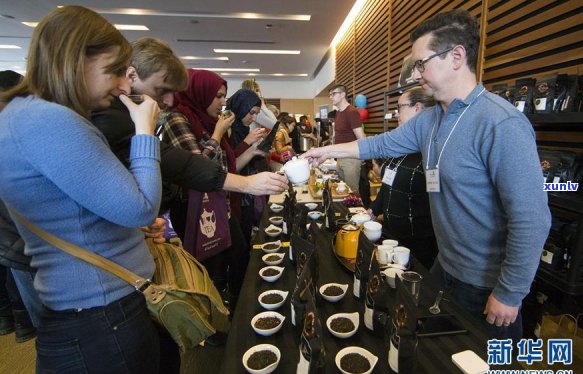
271 331
272 306
276 208
273 231
262 347
315 215
333 299
373 236
272 278
311 206
267 250
276 220
351 316
280 257
360 218
372 359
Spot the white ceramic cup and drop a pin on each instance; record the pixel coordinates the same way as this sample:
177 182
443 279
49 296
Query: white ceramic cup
385 253
391 274
341 187
391 242
401 255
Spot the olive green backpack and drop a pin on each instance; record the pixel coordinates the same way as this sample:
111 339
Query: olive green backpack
181 296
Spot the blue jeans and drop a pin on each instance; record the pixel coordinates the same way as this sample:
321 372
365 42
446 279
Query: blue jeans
24 282
474 299
117 338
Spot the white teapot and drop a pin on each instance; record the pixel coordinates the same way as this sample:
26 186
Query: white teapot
297 170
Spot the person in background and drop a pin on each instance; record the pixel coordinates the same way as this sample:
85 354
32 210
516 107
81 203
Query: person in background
53 157
489 211
402 200
245 104
282 144
348 127
305 130
13 262
273 109
265 118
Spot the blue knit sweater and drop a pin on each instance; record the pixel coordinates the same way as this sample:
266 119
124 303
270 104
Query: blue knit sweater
491 218
57 170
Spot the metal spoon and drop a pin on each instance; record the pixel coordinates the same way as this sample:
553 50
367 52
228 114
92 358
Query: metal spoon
434 309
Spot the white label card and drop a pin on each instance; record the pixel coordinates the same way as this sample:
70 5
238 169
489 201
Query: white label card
389 176
432 180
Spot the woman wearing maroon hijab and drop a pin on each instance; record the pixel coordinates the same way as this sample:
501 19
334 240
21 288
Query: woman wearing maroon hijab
196 125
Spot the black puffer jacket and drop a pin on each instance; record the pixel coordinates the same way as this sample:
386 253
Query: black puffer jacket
11 244
178 166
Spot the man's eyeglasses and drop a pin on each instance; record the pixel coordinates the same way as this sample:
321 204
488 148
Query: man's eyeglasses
420 64
399 106
334 93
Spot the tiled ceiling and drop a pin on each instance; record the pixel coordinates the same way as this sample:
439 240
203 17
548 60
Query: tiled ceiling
195 28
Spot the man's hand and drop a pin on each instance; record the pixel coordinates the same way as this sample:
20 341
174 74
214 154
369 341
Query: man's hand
155 230
316 156
266 183
498 313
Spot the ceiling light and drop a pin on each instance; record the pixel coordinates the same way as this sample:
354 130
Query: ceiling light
230 69
151 12
258 51
204 58
348 21
9 46
132 27
265 75
30 24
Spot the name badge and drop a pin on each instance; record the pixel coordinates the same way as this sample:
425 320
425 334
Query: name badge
432 180
389 176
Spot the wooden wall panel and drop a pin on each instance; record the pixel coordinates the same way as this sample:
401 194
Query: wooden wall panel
535 39
521 38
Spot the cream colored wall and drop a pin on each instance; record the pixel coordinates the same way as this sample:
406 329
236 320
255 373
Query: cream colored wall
297 106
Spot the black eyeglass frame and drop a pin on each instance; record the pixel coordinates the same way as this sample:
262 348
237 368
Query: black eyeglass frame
420 64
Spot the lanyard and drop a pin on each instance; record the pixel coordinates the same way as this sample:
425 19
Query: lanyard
449 135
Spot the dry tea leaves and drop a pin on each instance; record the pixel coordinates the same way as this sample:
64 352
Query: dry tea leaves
272 298
272 258
333 291
261 359
270 246
354 363
270 273
267 323
342 324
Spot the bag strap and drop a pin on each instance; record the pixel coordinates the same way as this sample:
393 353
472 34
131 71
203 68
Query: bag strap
74 250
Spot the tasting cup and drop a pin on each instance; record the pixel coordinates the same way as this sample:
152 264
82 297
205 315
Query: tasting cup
401 255
390 275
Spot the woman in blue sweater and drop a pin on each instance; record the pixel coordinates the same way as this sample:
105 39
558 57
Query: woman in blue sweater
57 171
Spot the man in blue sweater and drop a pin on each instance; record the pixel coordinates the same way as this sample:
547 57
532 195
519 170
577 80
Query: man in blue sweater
488 206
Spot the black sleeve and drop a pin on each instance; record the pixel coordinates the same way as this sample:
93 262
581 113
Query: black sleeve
178 166
191 171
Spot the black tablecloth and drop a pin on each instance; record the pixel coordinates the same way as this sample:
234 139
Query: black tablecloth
433 353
